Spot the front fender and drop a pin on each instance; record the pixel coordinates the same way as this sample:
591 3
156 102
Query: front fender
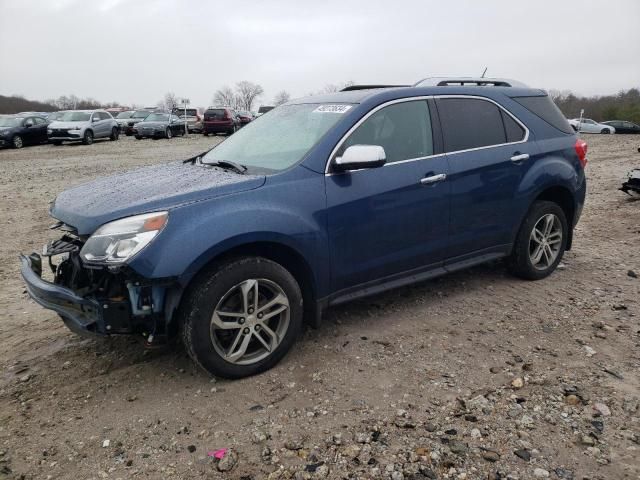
292 216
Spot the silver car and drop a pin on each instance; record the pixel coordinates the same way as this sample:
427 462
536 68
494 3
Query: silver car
83 126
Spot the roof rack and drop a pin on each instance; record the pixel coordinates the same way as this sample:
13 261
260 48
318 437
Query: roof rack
462 81
351 88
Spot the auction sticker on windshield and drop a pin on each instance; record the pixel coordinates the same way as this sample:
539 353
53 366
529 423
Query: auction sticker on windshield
332 108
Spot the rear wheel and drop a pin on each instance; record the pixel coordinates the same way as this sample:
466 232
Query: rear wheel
88 137
242 317
206 134
540 243
605 131
138 137
17 141
115 133
57 142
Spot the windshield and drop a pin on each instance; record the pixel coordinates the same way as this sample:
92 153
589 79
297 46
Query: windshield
10 122
54 116
74 117
140 114
157 117
124 115
280 139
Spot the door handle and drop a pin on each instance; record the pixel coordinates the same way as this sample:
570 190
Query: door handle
520 157
433 179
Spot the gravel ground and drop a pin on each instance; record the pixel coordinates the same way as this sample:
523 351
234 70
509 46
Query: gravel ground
476 375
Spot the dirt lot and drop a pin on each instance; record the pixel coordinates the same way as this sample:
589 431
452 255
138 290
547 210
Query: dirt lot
418 383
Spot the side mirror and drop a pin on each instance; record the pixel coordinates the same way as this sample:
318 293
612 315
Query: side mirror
28 123
95 119
361 156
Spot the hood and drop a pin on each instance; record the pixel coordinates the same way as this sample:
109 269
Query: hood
151 124
67 124
147 189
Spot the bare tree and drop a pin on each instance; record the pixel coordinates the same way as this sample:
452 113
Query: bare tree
247 93
169 101
225 97
281 97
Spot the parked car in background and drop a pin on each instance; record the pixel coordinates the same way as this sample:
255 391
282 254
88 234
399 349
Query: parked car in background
264 109
159 125
53 116
244 117
586 125
220 120
193 117
83 126
122 118
623 126
127 125
331 199
16 131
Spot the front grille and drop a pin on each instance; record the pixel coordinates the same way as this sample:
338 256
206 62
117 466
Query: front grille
60 131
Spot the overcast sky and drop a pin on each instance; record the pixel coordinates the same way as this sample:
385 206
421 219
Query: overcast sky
136 51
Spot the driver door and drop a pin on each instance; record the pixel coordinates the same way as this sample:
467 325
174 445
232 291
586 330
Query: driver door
391 220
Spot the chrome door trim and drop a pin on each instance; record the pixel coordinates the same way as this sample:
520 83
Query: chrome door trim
424 97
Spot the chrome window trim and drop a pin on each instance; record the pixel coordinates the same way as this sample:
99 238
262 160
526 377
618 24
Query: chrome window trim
425 97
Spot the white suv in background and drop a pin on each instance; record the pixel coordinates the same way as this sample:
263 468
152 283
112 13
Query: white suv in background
83 126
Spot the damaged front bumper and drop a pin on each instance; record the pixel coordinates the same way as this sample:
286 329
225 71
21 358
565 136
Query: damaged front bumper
80 314
99 300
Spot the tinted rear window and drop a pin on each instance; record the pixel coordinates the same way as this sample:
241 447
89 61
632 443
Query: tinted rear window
544 108
217 113
470 123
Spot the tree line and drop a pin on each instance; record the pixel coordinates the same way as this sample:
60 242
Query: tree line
624 105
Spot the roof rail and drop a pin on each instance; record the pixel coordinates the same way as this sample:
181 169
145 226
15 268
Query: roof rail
351 88
462 81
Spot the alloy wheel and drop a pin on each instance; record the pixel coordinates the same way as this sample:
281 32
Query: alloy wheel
545 241
17 141
250 321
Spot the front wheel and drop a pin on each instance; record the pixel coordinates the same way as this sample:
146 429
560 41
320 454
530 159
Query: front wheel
17 141
242 317
540 243
605 131
88 137
115 134
138 137
168 133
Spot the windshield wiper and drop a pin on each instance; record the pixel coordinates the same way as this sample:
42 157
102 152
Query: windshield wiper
228 165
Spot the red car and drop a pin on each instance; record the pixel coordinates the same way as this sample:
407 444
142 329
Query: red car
220 120
245 117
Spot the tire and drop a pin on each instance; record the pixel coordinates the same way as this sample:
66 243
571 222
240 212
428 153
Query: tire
206 134
115 133
87 139
212 348
168 133
17 142
522 262
57 143
605 131
138 137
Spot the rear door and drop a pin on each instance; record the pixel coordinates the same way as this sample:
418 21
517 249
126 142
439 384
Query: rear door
488 153
40 129
392 219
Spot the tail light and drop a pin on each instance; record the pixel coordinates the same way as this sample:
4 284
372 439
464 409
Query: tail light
581 150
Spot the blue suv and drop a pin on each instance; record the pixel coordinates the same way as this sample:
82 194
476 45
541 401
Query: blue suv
320 201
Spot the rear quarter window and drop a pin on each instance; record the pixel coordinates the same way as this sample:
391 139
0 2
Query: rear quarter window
470 123
544 108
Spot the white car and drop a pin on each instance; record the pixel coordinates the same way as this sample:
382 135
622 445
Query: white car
83 126
590 126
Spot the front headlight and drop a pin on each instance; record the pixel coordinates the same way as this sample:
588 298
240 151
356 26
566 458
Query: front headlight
117 242
49 131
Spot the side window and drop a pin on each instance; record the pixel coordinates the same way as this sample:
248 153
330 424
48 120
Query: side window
514 131
39 120
470 123
402 129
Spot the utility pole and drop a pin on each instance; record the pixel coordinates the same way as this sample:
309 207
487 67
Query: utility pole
185 102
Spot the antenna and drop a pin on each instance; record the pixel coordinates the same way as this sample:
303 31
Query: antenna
483 73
